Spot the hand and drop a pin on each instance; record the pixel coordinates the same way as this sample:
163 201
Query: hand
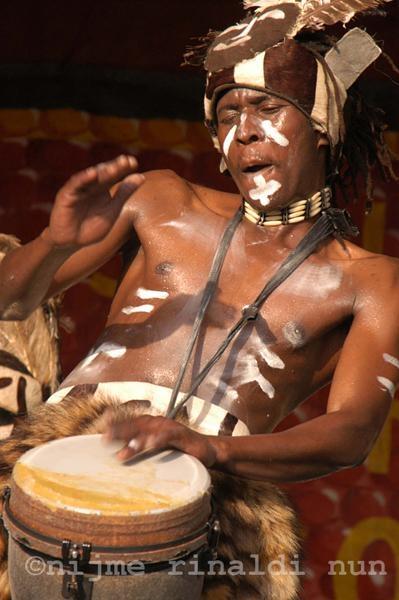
84 210
147 432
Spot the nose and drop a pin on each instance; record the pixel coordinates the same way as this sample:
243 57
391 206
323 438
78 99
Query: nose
249 129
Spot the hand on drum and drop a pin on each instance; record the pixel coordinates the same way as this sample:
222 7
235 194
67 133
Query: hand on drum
158 433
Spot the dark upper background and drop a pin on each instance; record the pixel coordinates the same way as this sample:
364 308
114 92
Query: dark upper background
125 55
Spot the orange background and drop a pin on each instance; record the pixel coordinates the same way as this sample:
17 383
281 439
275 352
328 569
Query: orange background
48 132
352 515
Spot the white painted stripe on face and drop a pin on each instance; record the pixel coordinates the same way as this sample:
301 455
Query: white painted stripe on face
272 133
251 70
387 385
144 308
391 360
145 294
228 141
264 189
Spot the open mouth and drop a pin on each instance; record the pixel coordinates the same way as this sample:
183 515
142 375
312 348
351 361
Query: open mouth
256 168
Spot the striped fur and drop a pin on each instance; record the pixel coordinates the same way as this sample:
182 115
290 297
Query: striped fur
255 517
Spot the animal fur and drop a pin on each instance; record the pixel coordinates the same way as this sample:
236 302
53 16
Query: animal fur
255 517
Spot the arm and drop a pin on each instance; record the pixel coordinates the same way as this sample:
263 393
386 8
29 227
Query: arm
87 225
359 401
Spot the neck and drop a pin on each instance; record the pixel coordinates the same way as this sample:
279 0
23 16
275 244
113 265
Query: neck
296 212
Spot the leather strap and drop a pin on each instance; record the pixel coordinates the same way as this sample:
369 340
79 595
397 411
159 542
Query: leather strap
209 292
332 222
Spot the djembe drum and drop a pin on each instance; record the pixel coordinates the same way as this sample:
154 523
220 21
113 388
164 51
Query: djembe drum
82 525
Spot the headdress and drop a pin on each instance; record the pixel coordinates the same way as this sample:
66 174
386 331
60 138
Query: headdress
263 52
270 51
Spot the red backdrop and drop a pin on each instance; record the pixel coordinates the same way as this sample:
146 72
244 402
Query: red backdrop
350 516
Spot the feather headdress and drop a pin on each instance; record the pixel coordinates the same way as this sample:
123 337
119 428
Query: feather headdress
317 14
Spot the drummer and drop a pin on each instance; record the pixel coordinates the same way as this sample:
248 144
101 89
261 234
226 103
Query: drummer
334 320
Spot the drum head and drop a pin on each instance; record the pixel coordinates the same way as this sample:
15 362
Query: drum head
82 474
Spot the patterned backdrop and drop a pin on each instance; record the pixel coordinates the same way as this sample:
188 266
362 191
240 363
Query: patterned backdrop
349 516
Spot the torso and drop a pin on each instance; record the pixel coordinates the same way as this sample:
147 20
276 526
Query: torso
288 353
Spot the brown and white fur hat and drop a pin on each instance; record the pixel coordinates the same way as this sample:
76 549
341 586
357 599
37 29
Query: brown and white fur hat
264 53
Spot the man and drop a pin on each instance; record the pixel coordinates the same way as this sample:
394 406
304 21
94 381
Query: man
333 320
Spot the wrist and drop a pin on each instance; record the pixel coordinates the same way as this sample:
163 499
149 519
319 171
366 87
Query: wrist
48 241
221 451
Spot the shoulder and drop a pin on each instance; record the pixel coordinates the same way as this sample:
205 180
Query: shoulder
162 190
376 280
165 190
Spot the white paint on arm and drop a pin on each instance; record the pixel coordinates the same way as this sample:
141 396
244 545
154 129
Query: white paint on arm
264 189
273 134
145 294
143 308
111 349
391 360
387 386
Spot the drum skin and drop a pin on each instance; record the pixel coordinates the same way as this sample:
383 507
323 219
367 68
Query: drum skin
44 509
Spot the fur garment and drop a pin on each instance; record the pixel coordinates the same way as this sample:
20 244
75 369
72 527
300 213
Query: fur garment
255 517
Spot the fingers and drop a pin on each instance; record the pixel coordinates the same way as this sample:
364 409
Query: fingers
128 186
142 433
103 175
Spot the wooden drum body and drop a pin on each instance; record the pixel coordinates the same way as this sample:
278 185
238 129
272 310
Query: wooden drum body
84 526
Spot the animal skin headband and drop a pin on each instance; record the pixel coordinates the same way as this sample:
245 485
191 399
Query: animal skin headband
261 53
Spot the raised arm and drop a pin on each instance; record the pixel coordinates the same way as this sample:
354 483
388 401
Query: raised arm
87 226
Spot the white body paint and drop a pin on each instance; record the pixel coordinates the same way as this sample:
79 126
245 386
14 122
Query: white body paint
109 349
311 280
251 372
144 294
264 189
271 359
144 308
391 360
273 134
228 140
112 350
387 385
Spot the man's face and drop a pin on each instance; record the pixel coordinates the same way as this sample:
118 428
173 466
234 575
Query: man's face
270 148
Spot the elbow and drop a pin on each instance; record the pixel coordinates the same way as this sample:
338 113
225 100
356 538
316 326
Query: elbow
354 456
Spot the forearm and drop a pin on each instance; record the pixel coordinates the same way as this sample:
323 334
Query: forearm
26 274
307 451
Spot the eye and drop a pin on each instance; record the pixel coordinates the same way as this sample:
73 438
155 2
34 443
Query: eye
269 109
227 117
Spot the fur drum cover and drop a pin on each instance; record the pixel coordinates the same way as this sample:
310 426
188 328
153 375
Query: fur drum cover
255 517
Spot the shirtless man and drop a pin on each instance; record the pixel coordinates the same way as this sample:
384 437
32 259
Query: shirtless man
334 319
